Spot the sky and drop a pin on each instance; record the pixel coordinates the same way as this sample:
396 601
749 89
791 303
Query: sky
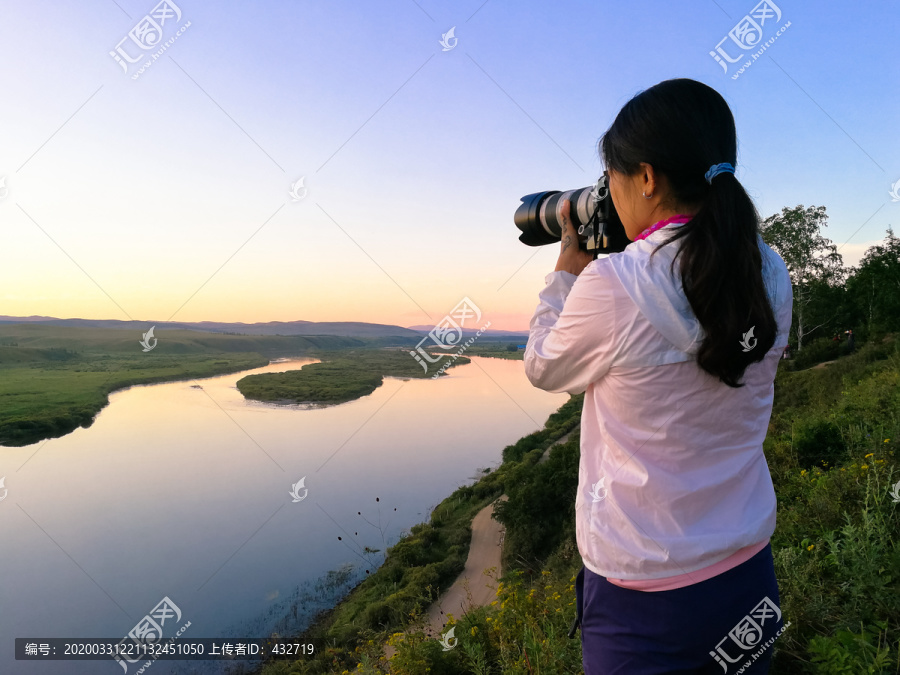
165 194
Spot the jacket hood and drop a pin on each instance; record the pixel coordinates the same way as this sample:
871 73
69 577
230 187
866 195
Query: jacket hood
659 295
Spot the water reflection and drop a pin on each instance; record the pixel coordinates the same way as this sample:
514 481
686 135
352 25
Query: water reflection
184 491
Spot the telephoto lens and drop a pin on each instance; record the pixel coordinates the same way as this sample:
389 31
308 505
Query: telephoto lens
591 211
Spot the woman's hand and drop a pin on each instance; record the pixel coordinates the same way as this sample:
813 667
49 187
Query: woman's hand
571 258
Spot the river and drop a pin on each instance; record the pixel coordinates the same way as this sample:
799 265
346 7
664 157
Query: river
184 491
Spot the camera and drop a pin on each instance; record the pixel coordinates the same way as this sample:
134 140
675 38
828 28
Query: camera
591 212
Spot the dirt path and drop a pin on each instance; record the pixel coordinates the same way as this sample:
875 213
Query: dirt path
559 441
484 553
818 366
473 588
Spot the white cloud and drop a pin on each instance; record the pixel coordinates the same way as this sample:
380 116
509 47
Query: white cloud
853 253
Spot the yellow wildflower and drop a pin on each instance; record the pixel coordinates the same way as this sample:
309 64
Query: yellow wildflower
810 547
864 466
870 454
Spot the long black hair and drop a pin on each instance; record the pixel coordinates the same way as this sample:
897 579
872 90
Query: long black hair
681 128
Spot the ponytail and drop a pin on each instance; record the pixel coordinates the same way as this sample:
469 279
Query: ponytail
682 128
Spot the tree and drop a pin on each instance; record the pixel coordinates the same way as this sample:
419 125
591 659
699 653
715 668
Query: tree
815 266
874 286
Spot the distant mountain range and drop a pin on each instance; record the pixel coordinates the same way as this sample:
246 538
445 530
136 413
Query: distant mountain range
467 331
358 329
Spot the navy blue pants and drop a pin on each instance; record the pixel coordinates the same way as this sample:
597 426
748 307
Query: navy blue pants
725 625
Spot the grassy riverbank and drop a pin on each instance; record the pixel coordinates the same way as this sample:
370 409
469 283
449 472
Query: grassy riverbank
40 400
831 450
54 379
340 377
496 350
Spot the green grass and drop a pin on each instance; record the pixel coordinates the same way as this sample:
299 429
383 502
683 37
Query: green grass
171 342
495 351
55 379
831 449
341 376
46 399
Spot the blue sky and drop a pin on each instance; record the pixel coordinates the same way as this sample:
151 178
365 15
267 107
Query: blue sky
167 196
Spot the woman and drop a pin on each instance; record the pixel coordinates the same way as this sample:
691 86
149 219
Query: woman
675 342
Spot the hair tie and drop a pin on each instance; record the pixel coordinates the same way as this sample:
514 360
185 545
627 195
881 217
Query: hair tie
716 169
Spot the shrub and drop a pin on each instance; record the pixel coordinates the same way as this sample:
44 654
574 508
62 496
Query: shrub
818 443
817 351
849 653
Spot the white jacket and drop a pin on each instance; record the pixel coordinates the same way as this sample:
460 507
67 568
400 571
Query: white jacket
672 476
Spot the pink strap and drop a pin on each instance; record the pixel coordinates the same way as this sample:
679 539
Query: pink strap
681 218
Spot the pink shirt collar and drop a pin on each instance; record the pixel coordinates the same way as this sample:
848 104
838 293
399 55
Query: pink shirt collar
681 218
